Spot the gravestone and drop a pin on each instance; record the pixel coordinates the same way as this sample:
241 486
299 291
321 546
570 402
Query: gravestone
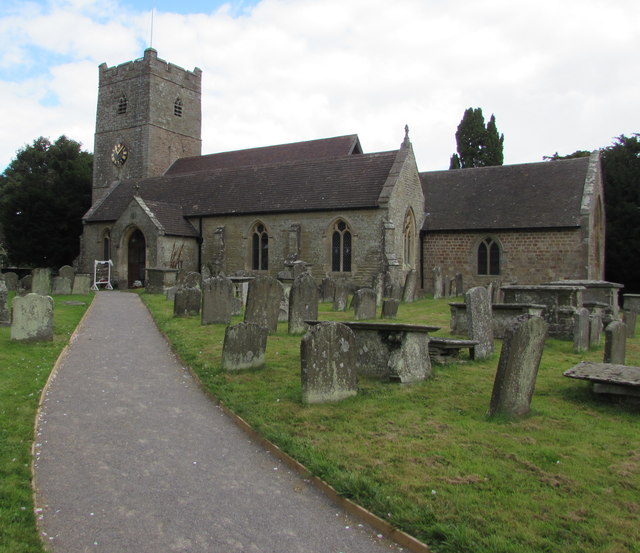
389 308
595 329
364 304
217 300
615 342
11 280
479 321
41 283
81 285
437 283
328 363
377 283
244 346
61 286
327 289
630 320
581 330
263 302
518 367
409 291
459 285
303 303
340 295
188 297
67 271
5 316
24 285
32 319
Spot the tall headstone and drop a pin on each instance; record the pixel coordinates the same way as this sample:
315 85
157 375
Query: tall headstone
11 280
217 300
263 302
377 283
328 363
41 283
595 329
615 343
479 321
340 295
5 316
630 320
188 297
244 346
32 319
364 304
389 309
410 283
327 289
581 330
518 367
459 285
303 303
437 283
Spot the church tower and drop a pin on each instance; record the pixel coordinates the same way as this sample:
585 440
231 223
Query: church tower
149 114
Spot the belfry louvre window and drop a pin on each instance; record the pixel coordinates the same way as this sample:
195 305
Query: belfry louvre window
260 248
122 105
177 107
488 257
341 248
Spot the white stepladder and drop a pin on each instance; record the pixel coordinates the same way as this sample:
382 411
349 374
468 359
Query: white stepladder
102 274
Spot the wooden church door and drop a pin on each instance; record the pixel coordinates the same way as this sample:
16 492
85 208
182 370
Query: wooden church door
137 258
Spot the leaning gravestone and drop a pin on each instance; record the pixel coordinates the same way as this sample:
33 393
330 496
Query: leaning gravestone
32 319
581 330
615 342
81 285
41 283
340 295
479 321
61 286
389 308
303 303
5 316
11 280
244 346
217 300
263 302
410 282
188 298
364 304
328 363
518 367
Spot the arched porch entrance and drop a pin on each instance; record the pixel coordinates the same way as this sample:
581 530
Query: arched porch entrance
136 262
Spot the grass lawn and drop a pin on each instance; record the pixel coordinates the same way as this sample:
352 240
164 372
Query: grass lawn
426 457
24 369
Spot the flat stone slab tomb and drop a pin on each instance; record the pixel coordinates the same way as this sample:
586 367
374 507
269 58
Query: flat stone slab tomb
447 350
608 378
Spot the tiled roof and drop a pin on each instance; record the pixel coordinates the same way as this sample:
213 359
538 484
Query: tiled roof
531 195
312 149
351 182
171 218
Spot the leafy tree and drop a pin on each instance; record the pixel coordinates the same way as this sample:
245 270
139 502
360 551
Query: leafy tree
44 192
477 145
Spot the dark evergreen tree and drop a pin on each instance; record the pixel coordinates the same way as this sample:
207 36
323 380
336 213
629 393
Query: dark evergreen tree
477 145
44 192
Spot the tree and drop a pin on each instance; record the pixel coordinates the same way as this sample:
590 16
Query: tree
477 145
44 192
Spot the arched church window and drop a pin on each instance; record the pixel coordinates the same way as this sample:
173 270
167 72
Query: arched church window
177 107
488 257
122 105
106 246
260 248
409 236
341 247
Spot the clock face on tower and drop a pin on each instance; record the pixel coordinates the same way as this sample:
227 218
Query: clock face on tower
119 154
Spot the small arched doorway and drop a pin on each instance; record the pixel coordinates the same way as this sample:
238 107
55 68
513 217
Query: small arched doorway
136 258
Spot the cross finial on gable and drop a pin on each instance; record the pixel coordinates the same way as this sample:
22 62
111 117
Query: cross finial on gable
406 142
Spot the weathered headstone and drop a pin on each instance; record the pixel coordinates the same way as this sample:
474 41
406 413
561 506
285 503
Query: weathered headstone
437 283
479 321
32 319
263 302
581 330
11 280
459 285
409 360
328 363
615 342
340 295
327 289
217 300
630 320
410 283
188 298
595 329
377 283
518 367
364 304
303 303
24 285
5 316
244 346
67 271
389 308
41 283
81 285
61 286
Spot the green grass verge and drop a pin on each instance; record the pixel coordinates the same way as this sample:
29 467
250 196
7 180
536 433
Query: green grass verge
24 370
425 456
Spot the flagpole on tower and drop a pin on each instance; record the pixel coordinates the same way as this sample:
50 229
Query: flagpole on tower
151 37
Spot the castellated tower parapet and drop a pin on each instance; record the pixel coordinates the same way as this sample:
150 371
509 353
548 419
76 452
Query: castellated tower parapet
149 114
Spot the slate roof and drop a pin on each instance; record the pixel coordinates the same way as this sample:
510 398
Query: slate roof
171 218
338 146
530 195
350 182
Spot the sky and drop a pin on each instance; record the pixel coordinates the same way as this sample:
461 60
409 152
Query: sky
559 75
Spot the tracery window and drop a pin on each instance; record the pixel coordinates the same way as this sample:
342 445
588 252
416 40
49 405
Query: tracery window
341 247
260 248
409 236
488 257
122 105
177 107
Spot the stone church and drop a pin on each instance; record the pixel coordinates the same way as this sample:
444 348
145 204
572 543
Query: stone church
159 204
